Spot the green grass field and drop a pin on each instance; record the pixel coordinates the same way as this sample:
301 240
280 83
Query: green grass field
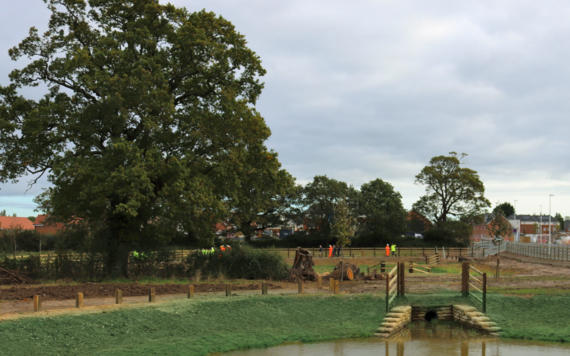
195 327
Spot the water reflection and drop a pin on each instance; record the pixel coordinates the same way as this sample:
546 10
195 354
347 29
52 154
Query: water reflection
423 340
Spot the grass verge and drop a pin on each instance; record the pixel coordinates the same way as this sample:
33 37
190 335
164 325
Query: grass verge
194 327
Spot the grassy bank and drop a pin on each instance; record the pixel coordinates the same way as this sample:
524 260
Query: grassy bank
199 327
541 317
194 327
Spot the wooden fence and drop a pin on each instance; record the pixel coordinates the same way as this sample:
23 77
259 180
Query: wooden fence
380 251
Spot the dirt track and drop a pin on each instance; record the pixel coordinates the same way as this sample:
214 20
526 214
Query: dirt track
96 290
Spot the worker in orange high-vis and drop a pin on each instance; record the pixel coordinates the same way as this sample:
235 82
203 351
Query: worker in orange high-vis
387 250
330 250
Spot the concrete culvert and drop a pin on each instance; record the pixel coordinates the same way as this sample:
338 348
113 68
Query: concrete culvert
430 316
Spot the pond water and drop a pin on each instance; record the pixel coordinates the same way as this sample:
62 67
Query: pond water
418 342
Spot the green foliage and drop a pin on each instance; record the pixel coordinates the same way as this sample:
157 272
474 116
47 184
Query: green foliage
451 190
240 262
148 125
268 197
449 233
343 224
382 209
499 226
3 212
318 200
196 327
507 208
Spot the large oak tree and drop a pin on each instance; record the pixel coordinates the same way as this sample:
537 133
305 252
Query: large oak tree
147 124
452 190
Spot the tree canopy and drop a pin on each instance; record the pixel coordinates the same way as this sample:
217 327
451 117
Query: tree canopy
381 209
499 226
451 190
507 208
148 122
318 199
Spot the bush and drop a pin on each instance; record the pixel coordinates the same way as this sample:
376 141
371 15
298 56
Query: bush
240 262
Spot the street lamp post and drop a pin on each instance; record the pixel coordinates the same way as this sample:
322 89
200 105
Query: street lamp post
517 228
549 223
540 223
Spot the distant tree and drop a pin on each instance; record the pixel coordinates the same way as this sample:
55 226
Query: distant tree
381 209
507 208
498 227
317 202
342 228
14 215
266 201
32 218
3 213
451 190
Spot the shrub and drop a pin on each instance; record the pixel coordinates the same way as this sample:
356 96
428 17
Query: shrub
240 262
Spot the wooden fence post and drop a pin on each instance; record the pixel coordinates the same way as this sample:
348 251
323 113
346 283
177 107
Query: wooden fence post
362 250
331 287
118 296
151 295
228 290
374 251
264 288
465 278
319 282
300 284
37 303
401 279
382 267
387 292
498 273
191 291
79 300
336 286
411 267
484 292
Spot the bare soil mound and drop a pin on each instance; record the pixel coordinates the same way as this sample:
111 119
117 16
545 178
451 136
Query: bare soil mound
101 290
8 277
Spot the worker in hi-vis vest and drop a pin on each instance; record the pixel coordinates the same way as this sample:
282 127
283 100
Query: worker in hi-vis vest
393 250
387 250
330 250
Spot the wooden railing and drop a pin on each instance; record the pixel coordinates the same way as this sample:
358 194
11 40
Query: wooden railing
392 286
432 260
380 251
467 280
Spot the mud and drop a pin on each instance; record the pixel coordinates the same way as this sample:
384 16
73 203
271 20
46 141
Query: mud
102 290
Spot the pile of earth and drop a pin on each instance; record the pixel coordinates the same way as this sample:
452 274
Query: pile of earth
102 290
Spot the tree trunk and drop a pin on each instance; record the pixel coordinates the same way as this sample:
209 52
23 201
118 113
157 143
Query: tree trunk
342 265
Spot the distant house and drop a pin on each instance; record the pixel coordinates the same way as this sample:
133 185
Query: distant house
416 224
480 230
12 223
44 227
534 224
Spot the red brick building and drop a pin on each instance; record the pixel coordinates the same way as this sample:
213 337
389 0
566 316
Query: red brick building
480 230
10 223
44 227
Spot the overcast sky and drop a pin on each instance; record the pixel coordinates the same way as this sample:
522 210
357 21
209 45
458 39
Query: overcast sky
360 90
